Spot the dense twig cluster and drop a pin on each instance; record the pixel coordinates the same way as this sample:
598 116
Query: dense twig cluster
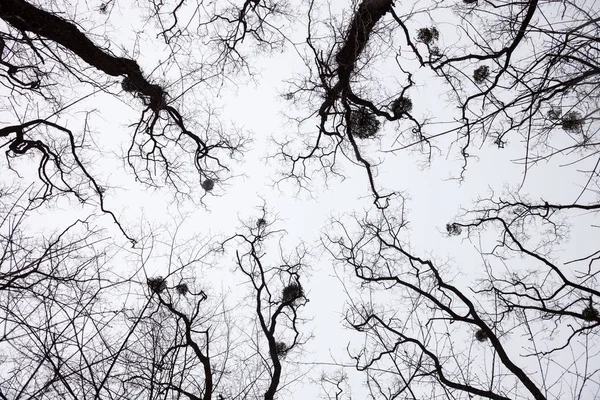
428 35
292 292
481 74
157 284
363 124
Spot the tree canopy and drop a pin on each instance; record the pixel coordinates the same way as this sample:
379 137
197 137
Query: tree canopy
299 199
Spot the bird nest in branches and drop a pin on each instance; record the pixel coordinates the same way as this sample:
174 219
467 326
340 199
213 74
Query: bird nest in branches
208 185
157 284
261 222
363 123
428 35
481 336
481 73
402 105
292 292
572 121
590 314
281 349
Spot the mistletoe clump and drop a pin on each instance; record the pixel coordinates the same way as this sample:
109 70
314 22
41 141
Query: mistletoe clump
208 185
453 229
157 284
590 314
402 105
182 289
481 336
481 74
292 292
572 121
435 51
280 349
363 123
127 85
428 35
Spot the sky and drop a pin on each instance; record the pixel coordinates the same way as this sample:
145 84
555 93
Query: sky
255 103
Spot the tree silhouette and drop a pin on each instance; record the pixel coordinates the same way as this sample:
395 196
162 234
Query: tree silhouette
41 51
524 74
430 330
278 297
84 316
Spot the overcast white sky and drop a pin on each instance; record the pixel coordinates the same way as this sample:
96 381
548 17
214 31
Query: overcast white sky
433 198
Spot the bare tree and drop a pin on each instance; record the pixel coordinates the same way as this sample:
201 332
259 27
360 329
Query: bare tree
187 344
527 71
277 296
344 117
53 314
536 80
173 338
76 326
82 317
431 331
42 51
335 386
172 352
